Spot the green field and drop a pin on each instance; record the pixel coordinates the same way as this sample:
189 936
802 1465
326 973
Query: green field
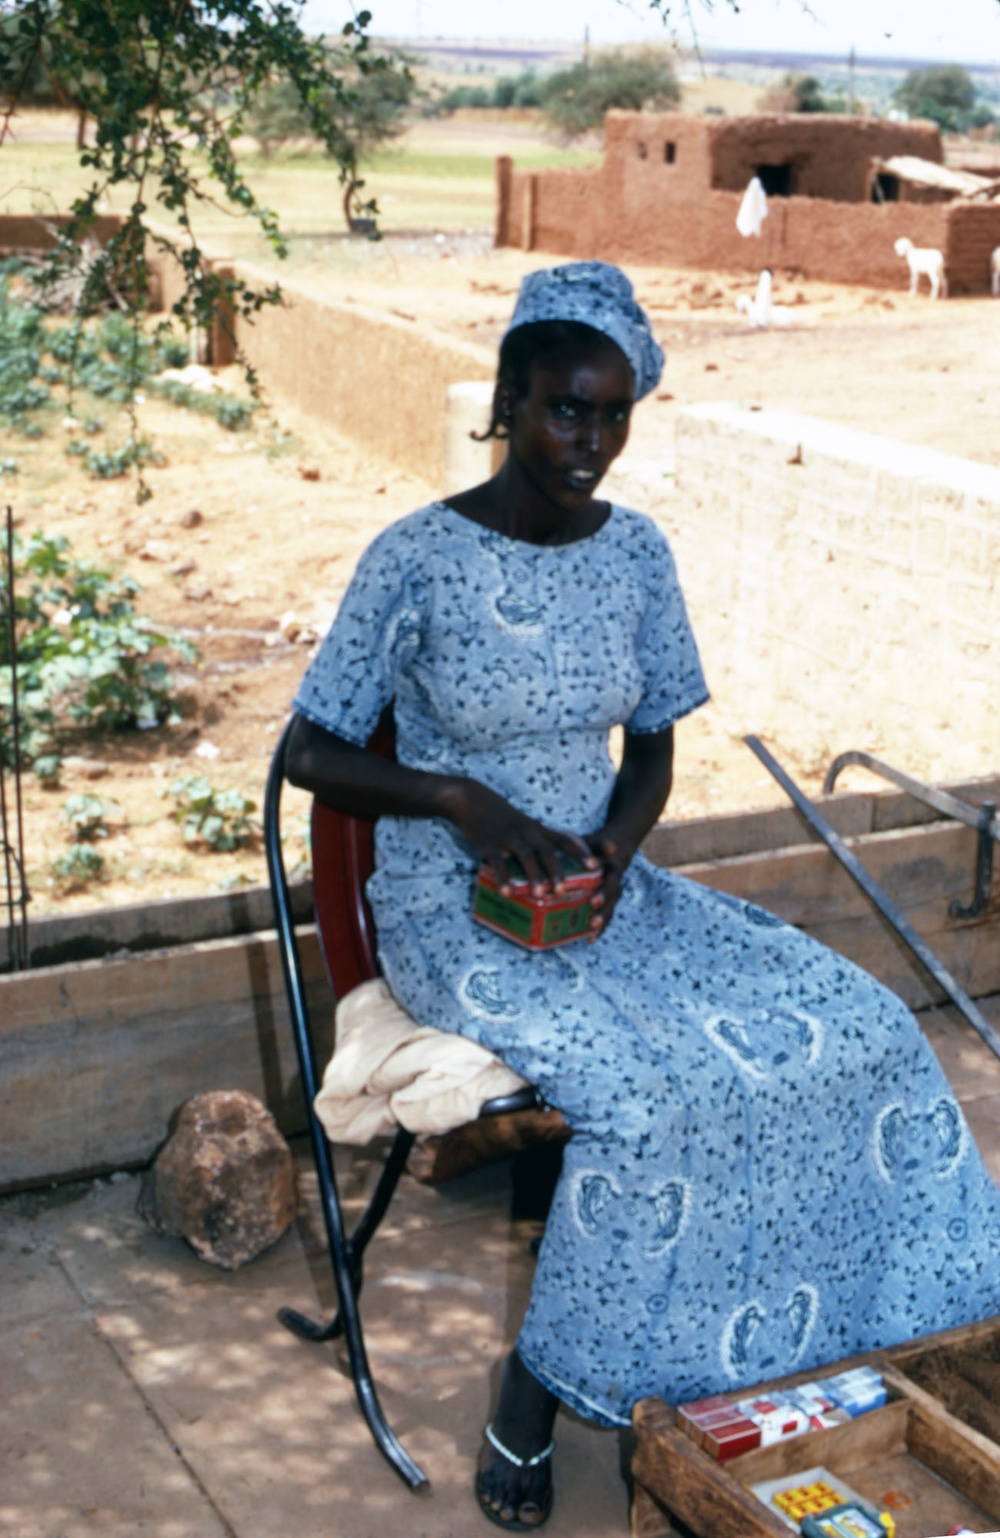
439 177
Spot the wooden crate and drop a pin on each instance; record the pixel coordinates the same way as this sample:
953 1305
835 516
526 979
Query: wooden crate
912 1457
956 1372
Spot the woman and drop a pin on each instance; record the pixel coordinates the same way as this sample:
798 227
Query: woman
768 1169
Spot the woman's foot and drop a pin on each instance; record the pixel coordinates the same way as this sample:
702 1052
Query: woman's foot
514 1482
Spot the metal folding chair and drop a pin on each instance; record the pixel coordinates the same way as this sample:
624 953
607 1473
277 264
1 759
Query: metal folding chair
342 859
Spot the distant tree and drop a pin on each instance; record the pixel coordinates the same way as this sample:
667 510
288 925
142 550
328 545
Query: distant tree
575 100
945 93
800 93
524 90
169 86
29 71
367 113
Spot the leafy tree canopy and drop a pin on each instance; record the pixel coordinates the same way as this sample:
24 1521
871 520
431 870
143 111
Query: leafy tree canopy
944 93
800 93
169 87
576 99
368 113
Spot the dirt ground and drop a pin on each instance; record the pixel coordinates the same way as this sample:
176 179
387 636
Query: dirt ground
254 579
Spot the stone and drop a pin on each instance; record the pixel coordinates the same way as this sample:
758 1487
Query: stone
90 768
191 519
224 1180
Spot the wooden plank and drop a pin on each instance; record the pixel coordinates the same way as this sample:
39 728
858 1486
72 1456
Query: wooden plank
921 869
647 1518
95 1057
55 940
851 813
876 1434
958 1453
702 1494
918 867
963 1337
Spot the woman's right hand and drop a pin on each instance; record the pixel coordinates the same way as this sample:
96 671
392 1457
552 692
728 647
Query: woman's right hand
501 834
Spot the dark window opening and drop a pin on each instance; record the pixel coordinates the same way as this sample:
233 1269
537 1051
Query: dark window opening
670 153
776 180
885 188
643 152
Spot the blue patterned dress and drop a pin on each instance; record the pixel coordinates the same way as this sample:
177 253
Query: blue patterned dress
768 1169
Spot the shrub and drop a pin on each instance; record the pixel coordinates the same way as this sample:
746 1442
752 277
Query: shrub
219 818
80 865
84 656
87 817
575 100
112 359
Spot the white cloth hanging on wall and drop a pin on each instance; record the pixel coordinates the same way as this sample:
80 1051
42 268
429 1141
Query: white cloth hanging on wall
753 209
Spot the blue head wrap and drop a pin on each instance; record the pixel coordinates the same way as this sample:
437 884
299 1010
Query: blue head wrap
600 296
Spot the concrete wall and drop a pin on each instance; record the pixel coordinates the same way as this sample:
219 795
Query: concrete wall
846 588
671 185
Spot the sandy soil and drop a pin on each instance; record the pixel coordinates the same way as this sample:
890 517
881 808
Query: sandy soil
280 527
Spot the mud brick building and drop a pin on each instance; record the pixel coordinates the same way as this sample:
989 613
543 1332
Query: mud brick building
840 191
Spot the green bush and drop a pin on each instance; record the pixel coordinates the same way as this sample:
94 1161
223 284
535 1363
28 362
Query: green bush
219 818
84 656
80 865
87 817
575 100
112 359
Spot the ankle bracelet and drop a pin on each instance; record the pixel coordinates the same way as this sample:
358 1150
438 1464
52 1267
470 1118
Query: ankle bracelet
519 1463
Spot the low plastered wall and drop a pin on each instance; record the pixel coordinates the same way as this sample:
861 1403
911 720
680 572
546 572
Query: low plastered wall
845 587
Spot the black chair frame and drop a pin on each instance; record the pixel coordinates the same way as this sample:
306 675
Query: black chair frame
341 851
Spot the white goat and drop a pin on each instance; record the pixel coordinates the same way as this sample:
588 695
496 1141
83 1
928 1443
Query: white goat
923 261
995 272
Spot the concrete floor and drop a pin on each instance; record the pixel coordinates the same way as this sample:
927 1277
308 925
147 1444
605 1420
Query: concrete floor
145 1392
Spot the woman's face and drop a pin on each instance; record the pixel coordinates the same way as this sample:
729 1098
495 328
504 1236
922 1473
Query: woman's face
572 423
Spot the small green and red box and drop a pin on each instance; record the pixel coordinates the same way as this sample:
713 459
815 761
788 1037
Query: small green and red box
539 920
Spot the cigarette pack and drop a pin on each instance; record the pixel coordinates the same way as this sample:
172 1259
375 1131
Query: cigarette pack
538 920
856 1391
777 1416
718 1427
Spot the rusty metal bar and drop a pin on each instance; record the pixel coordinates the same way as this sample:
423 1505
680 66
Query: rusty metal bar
881 900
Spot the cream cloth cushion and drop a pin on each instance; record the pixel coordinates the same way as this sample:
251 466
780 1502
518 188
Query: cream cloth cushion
387 1072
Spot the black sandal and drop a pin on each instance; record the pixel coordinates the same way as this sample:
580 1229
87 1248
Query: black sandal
543 1507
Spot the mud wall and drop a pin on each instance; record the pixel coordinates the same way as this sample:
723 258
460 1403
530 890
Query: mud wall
835 242
380 379
829 156
845 587
671 185
36 232
973 233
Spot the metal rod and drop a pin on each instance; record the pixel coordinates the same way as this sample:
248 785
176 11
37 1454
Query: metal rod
882 901
13 852
337 1241
940 800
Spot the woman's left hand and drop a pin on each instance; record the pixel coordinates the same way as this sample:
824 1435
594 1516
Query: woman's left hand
640 794
615 861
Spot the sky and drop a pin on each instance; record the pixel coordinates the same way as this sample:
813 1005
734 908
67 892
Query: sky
957 31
